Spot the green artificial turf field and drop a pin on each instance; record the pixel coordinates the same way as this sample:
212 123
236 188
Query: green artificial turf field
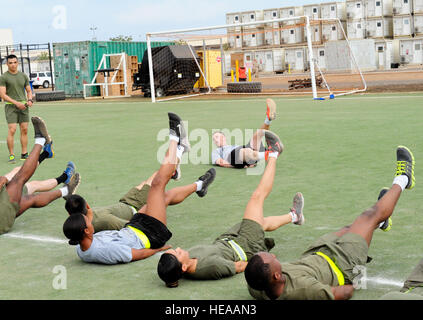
338 153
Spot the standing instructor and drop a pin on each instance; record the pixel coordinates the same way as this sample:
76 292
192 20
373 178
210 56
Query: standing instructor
15 91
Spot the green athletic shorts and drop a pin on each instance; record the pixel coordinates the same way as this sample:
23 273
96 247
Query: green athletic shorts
347 251
15 115
249 235
8 210
115 217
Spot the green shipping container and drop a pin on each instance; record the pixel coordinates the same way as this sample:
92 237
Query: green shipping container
75 63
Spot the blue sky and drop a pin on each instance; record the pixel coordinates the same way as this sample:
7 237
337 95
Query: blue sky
45 21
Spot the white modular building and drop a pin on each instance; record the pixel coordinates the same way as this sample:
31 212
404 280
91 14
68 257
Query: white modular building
380 27
315 32
272 36
333 30
403 26
253 38
355 9
402 7
291 12
292 34
271 14
411 51
295 59
233 18
312 11
235 40
378 8
252 16
356 29
417 6
333 10
418 25
386 53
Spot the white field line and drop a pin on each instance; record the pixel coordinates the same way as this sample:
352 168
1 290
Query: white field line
360 97
370 280
34 238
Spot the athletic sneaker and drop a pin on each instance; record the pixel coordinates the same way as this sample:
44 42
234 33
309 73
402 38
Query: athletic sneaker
40 129
387 224
270 109
174 124
24 156
405 165
48 147
11 159
274 144
207 179
177 174
297 208
69 171
73 184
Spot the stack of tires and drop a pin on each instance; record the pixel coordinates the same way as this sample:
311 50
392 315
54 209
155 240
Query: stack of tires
244 87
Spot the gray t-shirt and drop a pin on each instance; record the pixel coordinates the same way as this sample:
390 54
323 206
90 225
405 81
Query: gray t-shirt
111 247
222 153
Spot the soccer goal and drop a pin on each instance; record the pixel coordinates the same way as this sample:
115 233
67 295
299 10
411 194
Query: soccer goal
281 56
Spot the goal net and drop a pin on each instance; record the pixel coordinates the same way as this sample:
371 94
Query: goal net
281 56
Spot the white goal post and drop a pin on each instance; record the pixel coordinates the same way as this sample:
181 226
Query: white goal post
203 35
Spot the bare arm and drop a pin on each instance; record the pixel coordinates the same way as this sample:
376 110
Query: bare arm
222 163
240 266
343 292
6 98
29 95
140 254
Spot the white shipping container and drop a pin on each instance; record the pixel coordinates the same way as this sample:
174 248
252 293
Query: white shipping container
295 59
291 12
271 14
319 56
355 9
333 31
403 26
402 7
235 40
292 35
418 24
313 11
340 58
251 16
278 60
378 8
332 10
233 18
356 29
272 36
379 28
253 38
418 6
411 51
315 32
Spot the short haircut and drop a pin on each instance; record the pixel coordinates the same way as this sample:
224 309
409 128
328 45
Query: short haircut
11 56
76 204
169 270
257 273
74 227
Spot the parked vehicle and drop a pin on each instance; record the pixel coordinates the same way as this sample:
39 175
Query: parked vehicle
41 79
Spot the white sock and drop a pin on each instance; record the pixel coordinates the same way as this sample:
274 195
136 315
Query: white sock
274 154
179 152
64 191
174 138
294 217
199 184
401 180
267 121
261 155
40 141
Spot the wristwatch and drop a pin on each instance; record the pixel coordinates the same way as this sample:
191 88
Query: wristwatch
30 100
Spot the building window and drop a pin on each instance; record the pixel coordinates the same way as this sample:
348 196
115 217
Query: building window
378 24
405 1
252 17
332 8
291 12
314 10
358 25
299 54
333 28
358 5
321 53
253 35
417 46
406 21
377 3
274 14
237 37
236 18
291 31
380 49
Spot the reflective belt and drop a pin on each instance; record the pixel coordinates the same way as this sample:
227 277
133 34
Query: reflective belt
237 248
334 267
7 102
141 235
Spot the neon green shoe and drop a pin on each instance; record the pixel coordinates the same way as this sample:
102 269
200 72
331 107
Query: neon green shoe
12 159
405 165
